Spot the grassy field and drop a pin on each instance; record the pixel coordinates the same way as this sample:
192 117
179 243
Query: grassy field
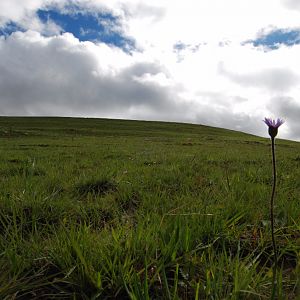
114 209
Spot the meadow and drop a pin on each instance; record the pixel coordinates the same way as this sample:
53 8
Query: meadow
115 209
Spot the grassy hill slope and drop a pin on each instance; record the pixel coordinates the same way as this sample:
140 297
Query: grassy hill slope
115 209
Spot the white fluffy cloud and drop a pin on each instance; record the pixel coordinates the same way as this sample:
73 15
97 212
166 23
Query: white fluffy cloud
292 4
210 78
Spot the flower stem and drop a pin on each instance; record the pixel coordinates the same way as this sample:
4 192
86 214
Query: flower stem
272 219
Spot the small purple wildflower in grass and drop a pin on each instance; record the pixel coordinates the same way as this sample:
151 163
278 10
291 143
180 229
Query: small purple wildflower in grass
273 130
273 126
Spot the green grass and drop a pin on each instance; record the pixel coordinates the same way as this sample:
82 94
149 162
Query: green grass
114 209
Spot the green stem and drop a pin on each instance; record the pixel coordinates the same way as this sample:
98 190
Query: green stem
272 220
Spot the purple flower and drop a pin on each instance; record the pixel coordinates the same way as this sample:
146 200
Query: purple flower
273 123
273 126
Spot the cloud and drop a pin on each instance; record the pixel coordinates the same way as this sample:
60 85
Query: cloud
16 11
141 11
289 109
181 49
39 73
292 4
273 79
23 16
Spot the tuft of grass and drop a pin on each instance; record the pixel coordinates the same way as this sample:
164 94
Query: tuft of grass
95 188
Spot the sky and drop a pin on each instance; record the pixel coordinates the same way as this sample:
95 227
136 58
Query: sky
221 63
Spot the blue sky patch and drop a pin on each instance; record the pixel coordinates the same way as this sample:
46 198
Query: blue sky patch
276 38
10 28
86 26
180 46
